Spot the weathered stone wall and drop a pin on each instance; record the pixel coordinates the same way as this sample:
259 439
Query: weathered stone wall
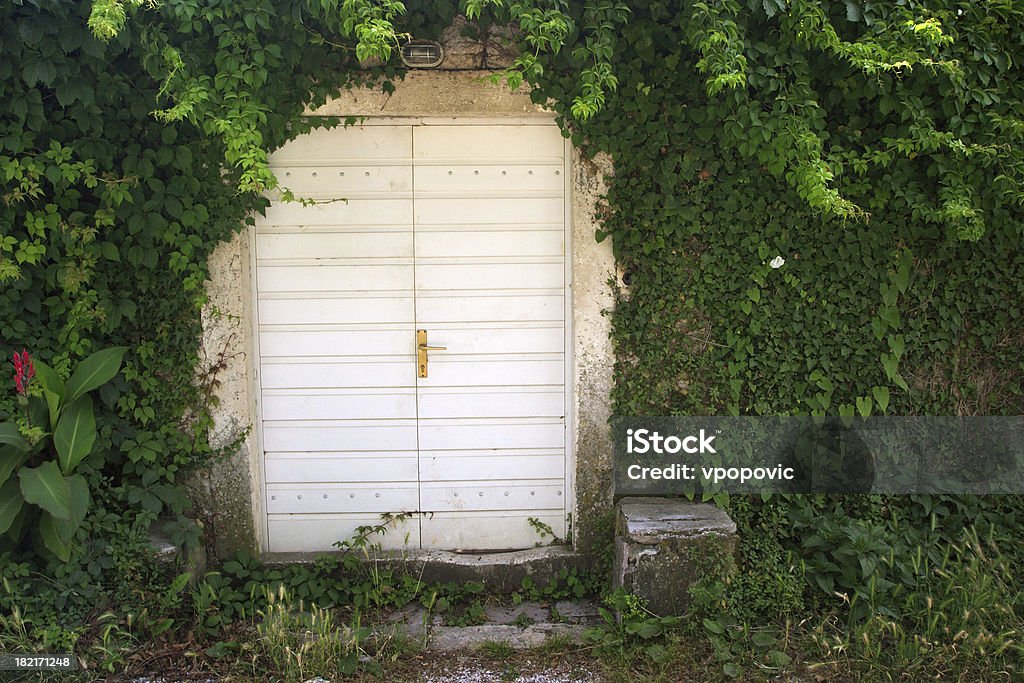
593 265
228 492
664 547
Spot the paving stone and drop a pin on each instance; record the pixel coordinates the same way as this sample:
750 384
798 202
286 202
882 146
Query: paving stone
528 612
412 621
471 637
578 612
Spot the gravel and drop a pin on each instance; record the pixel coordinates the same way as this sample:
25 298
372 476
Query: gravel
474 674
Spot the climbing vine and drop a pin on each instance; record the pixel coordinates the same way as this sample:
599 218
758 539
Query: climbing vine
816 206
764 63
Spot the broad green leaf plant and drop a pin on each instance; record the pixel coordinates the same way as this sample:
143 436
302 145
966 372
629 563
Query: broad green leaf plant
41 494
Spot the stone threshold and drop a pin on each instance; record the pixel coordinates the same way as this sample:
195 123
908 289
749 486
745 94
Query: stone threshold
501 572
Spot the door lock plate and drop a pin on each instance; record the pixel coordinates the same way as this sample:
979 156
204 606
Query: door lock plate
421 352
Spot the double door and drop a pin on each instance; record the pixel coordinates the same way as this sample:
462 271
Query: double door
425 234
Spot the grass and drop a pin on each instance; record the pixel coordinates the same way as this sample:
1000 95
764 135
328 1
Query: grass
297 646
958 616
497 650
963 622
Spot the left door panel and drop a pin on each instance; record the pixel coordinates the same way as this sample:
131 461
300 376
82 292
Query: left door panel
337 342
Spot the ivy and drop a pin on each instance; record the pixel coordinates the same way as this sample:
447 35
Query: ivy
817 205
113 193
763 65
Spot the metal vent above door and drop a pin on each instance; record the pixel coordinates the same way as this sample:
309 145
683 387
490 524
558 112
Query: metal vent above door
422 54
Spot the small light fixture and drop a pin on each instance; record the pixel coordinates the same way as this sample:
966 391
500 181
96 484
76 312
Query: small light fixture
422 54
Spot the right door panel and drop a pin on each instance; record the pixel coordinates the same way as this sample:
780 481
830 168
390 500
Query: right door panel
489 228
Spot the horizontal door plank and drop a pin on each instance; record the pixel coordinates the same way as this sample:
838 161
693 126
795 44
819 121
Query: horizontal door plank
470 178
374 143
324 279
314 311
328 375
474 143
339 179
488 465
489 276
445 371
324 245
433 436
497 340
542 495
510 402
351 406
490 244
339 498
499 308
327 466
288 533
484 210
300 342
355 214
384 435
488 531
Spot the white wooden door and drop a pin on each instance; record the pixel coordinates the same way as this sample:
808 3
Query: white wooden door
456 229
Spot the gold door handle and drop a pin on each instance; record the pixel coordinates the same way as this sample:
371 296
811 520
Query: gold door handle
421 352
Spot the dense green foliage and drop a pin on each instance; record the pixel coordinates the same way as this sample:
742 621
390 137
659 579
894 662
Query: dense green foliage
893 314
741 293
816 207
108 215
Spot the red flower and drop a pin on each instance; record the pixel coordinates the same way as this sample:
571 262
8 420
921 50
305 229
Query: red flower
23 370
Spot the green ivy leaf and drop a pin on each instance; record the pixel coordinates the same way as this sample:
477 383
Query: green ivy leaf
75 89
648 629
879 327
53 388
897 345
864 406
853 12
45 486
881 395
902 278
38 71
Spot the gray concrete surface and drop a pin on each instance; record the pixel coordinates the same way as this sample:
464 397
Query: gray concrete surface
664 546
